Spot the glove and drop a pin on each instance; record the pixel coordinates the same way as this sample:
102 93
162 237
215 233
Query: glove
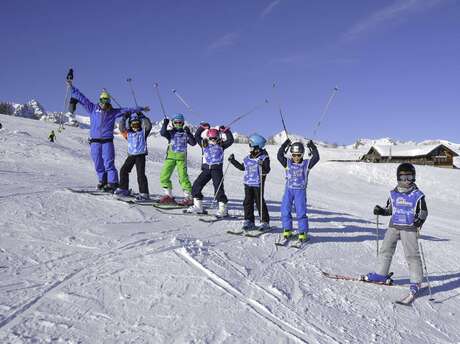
287 142
187 130
126 115
418 223
231 157
311 145
146 109
223 129
204 125
165 121
378 210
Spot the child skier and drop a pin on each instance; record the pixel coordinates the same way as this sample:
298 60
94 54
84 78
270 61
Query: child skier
213 146
136 129
297 170
176 156
52 136
256 166
102 119
407 208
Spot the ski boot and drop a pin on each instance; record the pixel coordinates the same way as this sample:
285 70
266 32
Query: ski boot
248 225
188 201
302 237
287 234
414 288
111 187
197 207
101 186
167 199
376 278
264 226
121 192
222 211
143 197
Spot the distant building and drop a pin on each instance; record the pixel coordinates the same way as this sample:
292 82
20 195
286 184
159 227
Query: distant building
434 155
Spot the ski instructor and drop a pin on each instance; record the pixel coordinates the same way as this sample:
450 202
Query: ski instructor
102 118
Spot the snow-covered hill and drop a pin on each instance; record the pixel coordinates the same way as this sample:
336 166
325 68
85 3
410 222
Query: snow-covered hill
90 269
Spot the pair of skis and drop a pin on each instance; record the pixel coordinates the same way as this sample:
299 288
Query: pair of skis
407 300
251 233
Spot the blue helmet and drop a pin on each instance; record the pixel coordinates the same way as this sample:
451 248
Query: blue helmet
257 141
179 117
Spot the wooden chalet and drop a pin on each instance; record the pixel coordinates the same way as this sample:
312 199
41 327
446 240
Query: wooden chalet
434 155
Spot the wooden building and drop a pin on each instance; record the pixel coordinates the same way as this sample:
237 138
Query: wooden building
434 155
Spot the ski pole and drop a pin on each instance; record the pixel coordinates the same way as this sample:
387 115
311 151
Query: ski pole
110 94
129 80
281 114
67 94
236 119
220 185
326 108
377 235
182 100
424 267
157 90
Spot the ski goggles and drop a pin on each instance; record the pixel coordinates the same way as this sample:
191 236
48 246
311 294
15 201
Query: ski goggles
178 123
297 155
104 100
213 138
406 178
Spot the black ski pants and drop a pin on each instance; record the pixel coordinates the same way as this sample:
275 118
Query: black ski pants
217 175
251 196
139 161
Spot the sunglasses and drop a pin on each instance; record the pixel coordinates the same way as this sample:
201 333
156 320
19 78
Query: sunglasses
296 155
213 139
104 100
406 178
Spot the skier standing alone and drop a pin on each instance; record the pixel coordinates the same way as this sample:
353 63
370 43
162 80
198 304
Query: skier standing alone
407 208
102 117
297 170
176 156
136 129
213 145
256 166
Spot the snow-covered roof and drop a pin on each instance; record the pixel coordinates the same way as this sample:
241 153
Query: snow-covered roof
407 150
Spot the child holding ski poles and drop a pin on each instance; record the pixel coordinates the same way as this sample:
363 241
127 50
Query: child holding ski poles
256 166
176 156
407 207
297 170
135 128
213 145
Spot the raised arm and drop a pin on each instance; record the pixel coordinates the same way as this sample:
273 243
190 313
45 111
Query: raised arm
146 125
164 130
229 141
281 158
315 154
80 97
235 162
190 138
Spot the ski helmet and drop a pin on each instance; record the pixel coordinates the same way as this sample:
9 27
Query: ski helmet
104 97
405 168
257 141
297 148
213 134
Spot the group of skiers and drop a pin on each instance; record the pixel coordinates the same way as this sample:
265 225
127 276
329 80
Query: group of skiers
406 204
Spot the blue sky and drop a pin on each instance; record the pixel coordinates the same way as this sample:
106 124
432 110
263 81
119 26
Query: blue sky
396 62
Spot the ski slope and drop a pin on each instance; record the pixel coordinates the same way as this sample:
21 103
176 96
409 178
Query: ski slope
90 269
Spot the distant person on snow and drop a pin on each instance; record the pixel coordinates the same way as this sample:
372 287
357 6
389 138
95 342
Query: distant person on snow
52 136
1 126
213 145
256 166
102 117
407 208
176 156
135 128
297 170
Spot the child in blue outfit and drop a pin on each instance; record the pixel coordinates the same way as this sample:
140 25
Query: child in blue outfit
297 169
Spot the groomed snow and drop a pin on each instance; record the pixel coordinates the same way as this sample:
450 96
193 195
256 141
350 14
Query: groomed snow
90 269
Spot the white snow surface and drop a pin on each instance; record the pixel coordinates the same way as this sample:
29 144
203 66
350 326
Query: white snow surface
89 269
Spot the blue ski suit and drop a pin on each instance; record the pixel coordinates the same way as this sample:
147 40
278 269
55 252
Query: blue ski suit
296 188
101 136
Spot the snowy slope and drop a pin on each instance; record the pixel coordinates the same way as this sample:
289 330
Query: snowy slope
90 269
